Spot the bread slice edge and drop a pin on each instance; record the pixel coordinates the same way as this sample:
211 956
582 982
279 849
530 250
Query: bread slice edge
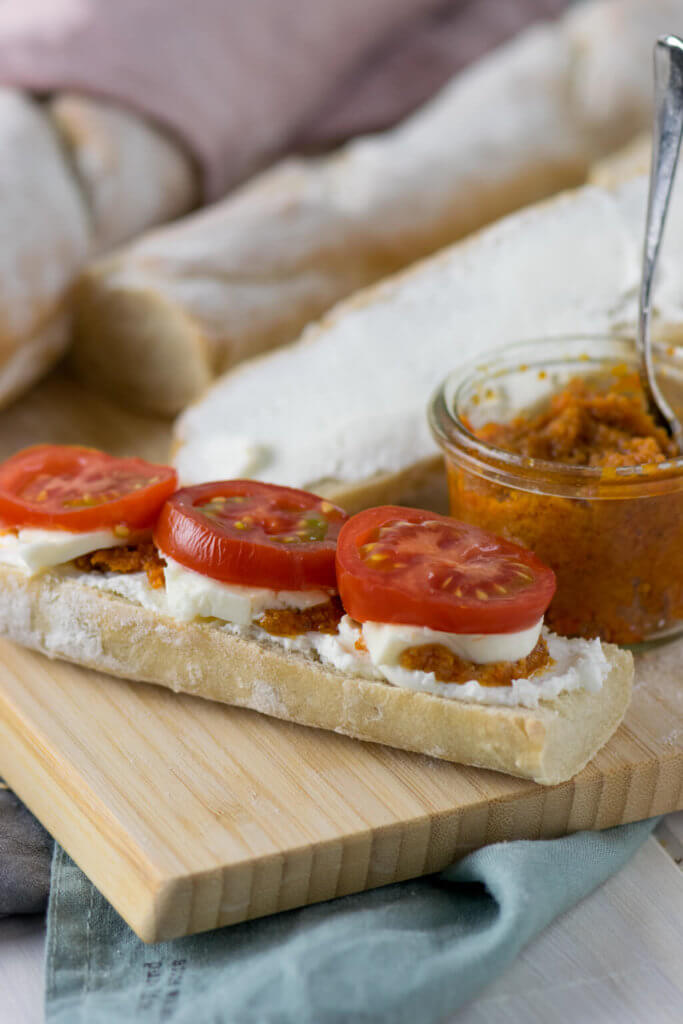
65 618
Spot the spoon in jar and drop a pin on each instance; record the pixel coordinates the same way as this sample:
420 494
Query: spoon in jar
668 129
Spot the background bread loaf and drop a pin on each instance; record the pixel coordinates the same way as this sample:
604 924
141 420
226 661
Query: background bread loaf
132 174
161 318
45 239
77 176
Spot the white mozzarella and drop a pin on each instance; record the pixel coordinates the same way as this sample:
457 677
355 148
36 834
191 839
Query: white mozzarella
386 642
191 595
34 551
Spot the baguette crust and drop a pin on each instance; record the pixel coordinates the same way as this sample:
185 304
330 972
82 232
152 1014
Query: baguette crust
42 251
66 619
630 162
422 485
132 174
36 355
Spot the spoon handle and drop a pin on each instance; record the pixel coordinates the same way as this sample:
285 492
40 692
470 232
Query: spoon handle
668 129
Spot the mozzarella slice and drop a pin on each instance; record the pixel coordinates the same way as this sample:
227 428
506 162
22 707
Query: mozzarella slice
386 642
34 551
191 595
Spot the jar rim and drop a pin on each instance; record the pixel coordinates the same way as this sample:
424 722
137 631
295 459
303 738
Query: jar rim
452 434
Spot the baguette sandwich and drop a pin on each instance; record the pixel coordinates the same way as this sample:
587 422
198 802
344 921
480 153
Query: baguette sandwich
397 626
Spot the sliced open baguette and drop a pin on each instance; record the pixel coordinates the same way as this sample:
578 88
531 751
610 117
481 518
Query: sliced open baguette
342 412
65 618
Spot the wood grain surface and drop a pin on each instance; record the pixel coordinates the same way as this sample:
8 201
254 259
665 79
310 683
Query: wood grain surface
59 410
189 815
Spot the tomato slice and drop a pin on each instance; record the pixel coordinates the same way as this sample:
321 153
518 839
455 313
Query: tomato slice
409 566
260 535
69 488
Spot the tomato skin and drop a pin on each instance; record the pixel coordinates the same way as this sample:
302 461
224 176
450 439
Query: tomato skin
255 554
409 576
73 488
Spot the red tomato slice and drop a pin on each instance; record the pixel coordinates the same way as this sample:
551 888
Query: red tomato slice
409 566
260 535
69 488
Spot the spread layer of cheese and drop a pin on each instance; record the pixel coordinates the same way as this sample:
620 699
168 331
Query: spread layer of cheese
484 292
577 664
35 550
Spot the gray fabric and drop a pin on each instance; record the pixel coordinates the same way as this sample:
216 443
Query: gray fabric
25 856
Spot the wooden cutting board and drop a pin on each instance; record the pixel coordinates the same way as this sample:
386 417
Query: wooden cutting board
189 815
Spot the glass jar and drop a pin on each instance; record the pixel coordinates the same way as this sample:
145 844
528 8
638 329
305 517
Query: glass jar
614 536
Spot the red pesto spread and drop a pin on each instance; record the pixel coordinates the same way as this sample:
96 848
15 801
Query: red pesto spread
130 558
449 668
322 618
619 560
592 422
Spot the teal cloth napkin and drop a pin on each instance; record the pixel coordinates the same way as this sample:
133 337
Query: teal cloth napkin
414 951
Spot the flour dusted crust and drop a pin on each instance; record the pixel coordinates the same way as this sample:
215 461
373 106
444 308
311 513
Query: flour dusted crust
76 175
45 241
67 619
627 163
248 273
36 354
133 175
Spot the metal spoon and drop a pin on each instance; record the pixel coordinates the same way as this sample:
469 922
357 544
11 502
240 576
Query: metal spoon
668 130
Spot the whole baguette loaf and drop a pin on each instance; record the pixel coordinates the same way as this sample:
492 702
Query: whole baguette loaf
343 411
67 619
77 176
161 318
132 174
45 241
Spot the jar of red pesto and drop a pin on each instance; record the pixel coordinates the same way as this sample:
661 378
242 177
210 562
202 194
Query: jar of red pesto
550 444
